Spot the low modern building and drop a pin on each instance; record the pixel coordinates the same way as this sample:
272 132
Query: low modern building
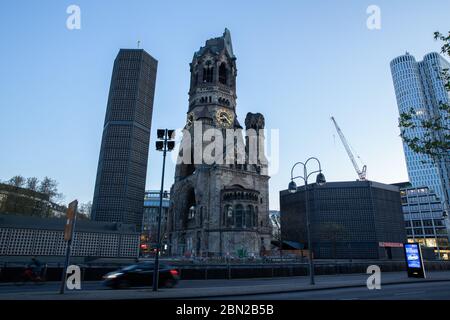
348 220
150 220
424 219
34 236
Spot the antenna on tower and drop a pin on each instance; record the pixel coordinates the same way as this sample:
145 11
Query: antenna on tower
138 44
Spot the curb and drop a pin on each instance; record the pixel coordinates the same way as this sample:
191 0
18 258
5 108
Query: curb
293 290
243 294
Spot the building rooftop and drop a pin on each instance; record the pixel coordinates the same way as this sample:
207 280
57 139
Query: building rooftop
349 184
216 45
28 222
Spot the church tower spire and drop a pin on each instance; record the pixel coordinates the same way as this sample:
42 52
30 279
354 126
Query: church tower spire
213 79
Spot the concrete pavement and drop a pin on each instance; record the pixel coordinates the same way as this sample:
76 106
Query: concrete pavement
199 289
405 291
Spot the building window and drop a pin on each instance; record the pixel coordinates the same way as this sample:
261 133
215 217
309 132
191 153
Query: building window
239 216
223 73
249 215
191 214
228 215
417 223
208 74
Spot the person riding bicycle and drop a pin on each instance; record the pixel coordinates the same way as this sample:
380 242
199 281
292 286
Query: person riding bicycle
35 266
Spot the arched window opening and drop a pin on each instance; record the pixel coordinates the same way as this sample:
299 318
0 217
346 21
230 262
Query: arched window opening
228 215
239 216
208 74
189 211
191 214
223 73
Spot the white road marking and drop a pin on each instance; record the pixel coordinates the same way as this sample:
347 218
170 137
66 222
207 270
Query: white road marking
408 293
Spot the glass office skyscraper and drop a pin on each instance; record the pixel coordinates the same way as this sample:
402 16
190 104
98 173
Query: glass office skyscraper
419 85
122 166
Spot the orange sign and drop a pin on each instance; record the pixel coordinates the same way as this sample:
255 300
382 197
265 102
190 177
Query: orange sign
70 215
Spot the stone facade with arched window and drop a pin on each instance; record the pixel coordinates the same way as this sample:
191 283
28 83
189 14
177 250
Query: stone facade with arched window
240 208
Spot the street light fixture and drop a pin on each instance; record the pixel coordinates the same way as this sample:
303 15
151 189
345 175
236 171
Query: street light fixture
320 180
292 188
166 145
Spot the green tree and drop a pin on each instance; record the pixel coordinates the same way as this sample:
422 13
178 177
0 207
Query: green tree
84 210
17 181
32 183
49 187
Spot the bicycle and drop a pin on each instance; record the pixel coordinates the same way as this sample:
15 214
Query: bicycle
28 275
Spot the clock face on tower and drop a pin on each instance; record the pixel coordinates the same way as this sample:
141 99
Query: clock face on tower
224 118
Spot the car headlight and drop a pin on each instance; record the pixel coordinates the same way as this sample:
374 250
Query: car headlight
114 275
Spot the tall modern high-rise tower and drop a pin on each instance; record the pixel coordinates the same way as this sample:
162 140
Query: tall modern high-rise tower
122 165
419 85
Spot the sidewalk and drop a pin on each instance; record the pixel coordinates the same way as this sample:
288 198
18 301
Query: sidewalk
215 288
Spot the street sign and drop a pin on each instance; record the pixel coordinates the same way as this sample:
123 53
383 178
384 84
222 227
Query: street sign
414 262
69 231
390 244
70 215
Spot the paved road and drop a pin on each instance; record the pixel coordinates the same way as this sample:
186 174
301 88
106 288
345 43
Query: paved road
408 291
97 285
287 288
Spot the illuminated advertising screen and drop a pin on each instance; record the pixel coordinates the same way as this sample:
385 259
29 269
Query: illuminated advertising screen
414 263
413 255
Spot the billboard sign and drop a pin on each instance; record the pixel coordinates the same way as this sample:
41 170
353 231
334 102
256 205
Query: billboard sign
414 262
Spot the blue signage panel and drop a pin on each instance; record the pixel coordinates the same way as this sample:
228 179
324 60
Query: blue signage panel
413 255
414 260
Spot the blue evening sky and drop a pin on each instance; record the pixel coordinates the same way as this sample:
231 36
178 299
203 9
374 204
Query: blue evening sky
299 62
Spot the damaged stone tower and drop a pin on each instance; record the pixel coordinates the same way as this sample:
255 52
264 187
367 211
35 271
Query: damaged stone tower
219 207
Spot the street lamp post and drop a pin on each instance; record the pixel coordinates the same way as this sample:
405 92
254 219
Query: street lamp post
165 144
320 180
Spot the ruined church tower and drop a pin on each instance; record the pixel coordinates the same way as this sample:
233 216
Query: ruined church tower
219 207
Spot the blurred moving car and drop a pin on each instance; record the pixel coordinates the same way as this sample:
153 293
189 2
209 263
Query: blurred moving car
141 275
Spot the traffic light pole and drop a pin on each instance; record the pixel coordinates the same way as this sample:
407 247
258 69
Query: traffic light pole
158 246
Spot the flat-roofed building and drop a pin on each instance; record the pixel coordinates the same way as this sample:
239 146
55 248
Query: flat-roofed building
349 220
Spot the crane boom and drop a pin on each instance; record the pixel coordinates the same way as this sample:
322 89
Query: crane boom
361 173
